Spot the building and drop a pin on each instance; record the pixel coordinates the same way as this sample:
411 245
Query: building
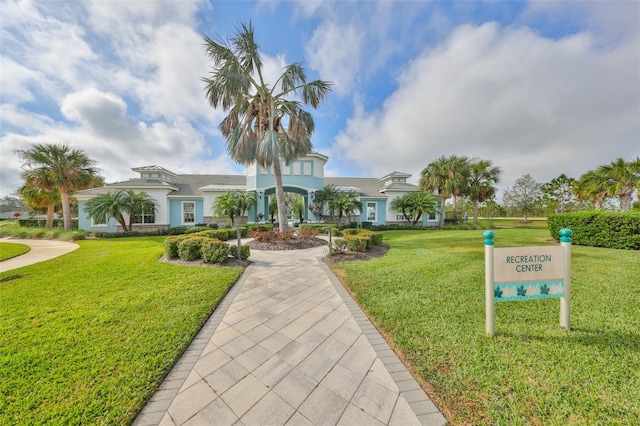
185 199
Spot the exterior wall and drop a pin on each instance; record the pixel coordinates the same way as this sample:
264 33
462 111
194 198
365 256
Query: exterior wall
175 211
85 223
381 210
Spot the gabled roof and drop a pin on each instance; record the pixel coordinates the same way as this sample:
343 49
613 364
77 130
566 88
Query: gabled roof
400 186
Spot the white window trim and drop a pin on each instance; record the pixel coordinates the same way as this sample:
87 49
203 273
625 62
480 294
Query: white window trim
182 204
375 211
99 225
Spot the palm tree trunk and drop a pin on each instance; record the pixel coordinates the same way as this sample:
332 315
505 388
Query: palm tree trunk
442 210
66 210
282 203
50 211
475 212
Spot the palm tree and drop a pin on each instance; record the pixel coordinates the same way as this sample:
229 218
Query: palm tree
345 203
245 201
622 178
434 177
41 199
458 174
402 205
139 203
226 205
325 195
110 205
262 127
483 175
118 204
421 203
52 166
592 186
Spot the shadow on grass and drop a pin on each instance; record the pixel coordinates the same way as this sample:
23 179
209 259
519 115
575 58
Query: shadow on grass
586 337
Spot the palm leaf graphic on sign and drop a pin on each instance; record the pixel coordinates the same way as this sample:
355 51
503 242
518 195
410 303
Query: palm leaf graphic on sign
544 289
497 292
522 291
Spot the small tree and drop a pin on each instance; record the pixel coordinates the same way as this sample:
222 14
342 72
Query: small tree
226 205
557 193
345 203
118 204
523 195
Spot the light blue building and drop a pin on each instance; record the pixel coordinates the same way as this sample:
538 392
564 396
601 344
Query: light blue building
185 199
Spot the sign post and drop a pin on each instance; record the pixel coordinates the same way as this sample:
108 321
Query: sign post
524 273
490 311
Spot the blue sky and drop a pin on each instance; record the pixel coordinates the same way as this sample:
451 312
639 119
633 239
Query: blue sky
538 87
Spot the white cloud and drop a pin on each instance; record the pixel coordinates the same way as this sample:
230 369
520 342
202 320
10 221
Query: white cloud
530 104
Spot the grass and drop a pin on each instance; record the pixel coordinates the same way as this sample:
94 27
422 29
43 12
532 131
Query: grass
86 338
430 302
11 250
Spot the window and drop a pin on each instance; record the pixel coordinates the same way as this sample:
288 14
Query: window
188 212
148 215
371 211
100 222
432 216
307 168
296 168
400 217
264 170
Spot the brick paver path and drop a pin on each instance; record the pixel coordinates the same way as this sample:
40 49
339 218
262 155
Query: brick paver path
288 346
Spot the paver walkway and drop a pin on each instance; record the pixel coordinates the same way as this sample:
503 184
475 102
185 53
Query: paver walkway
289 346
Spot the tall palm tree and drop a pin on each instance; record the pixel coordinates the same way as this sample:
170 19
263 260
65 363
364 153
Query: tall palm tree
57 166
458 174
262 127
622 180
434 177
483 175
41 199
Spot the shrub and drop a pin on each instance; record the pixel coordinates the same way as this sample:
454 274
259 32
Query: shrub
196 229
213 225
171 246
599 229
307 233
221 234
190 248
376 238
209 233
214 251
357 243
264 236
245 250
339 246
284 236
367 225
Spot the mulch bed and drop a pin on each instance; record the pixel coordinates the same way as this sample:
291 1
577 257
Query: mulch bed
374 253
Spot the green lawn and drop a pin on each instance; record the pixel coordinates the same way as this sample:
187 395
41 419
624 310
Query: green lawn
11 250
430 302
86 338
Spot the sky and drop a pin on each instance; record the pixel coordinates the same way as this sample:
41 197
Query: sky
540 88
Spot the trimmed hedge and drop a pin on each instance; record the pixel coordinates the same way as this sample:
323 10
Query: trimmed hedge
171 245
245 250
191 248
599 229
322 228
258 227
374 237
214 251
